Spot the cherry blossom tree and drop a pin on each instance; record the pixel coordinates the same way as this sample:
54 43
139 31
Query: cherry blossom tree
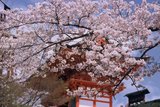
103 33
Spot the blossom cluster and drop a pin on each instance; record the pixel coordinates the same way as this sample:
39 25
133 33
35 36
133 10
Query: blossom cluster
98 36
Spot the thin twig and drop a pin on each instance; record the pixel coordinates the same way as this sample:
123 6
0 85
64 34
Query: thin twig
133 82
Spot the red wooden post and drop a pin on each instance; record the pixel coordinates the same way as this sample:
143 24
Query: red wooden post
94 102
110 102
77 101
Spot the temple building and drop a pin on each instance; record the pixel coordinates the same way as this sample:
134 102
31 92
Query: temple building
137 99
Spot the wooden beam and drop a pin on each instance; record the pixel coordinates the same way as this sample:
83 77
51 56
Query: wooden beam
94 100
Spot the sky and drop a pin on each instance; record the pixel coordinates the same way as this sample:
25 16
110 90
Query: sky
152 83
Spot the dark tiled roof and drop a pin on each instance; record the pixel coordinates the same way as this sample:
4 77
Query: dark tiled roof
145 91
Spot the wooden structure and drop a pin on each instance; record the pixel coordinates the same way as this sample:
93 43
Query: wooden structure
81 78
74 79
94 100
106 90
137 97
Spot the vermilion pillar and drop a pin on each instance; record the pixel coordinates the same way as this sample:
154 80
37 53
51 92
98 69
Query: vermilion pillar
77 101
110 101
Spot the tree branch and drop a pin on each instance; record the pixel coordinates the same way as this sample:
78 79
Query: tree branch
54 43
42 22
130 69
